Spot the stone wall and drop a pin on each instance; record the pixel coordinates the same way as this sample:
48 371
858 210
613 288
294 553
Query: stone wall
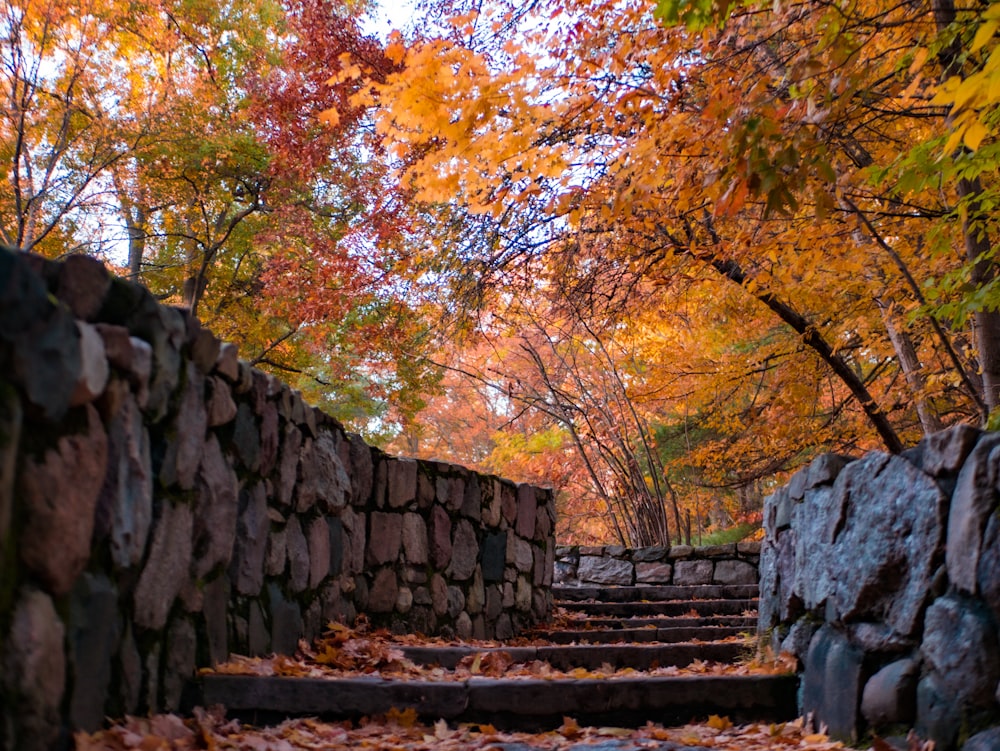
735 563
882 575
163 504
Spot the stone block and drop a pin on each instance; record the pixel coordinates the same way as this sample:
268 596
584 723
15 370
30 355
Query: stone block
94 370
974 499
252 527
402 479
246 437
167 567
335 529
832 683
939 713
456 601
404 600
890 696
94 631
527 506
960 645
126 501
34 671
355 541
82 284
287 626
318 537
649 554
362 469
472 499
693 572
494 556
288 465
520 554
653 573
58 495
323 480
825 469
508 502
415 546
735 572
601 570
716 551
227 363
679 551
799 637
179 662
385 538
258 636
269 438
464 551
297 550
987 740
945 452
384 592
216 510
216 611
440 537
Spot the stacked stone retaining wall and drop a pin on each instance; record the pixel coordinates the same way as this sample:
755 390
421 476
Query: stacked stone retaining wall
163 504
882 575
735 563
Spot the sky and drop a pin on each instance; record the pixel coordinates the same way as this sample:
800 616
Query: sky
391 14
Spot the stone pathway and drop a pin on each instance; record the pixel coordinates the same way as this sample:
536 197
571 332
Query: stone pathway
633 635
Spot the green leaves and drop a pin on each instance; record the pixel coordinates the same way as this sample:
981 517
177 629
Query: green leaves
694 14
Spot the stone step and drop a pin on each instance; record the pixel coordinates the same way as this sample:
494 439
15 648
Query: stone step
669 635
590 656
650 622
510 704
669 608
656 593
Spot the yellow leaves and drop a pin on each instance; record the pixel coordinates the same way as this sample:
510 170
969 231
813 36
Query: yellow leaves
719 723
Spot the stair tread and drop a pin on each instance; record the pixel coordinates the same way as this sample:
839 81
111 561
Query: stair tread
520 703
672 607
648 593
642 635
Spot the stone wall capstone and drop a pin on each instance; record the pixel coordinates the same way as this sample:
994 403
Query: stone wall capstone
882 576
163 504
582 565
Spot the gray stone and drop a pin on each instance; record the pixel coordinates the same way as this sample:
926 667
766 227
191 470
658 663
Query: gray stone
127 494
472 499
767 607
789 603
252 527
384 591
890 696
522 595
988 740
814 522
288 465
58 495
355 541
464 552
130 686
777 512
946 451
832 683
975 497
960 645
939 714
564 572
508 502
182 645
884 558
492 508
141 371
519 553
385 538
204 346
825 469
335 530
404 600
735 572
415 539
216 510
402 479
82 284
504 628
716 551
227 363
94 371
988 574
45 360
878 638
246 437
649 554
318 535
653 573
439 594
323 480
601 570
548 567
796 487
693 572
463 626
298 555
749 548
456 601
94 630
258 637
276 555
34 671
268 438
494 602
799 637
216 627
287 626
151 679
494 556
527 506
676 552
475 598
440 534
167 567
455 495
425 488
362 470
537 566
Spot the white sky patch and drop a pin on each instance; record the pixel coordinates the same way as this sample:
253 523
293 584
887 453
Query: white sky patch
388 15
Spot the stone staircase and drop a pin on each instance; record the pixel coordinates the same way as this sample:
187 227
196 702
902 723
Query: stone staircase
645 628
